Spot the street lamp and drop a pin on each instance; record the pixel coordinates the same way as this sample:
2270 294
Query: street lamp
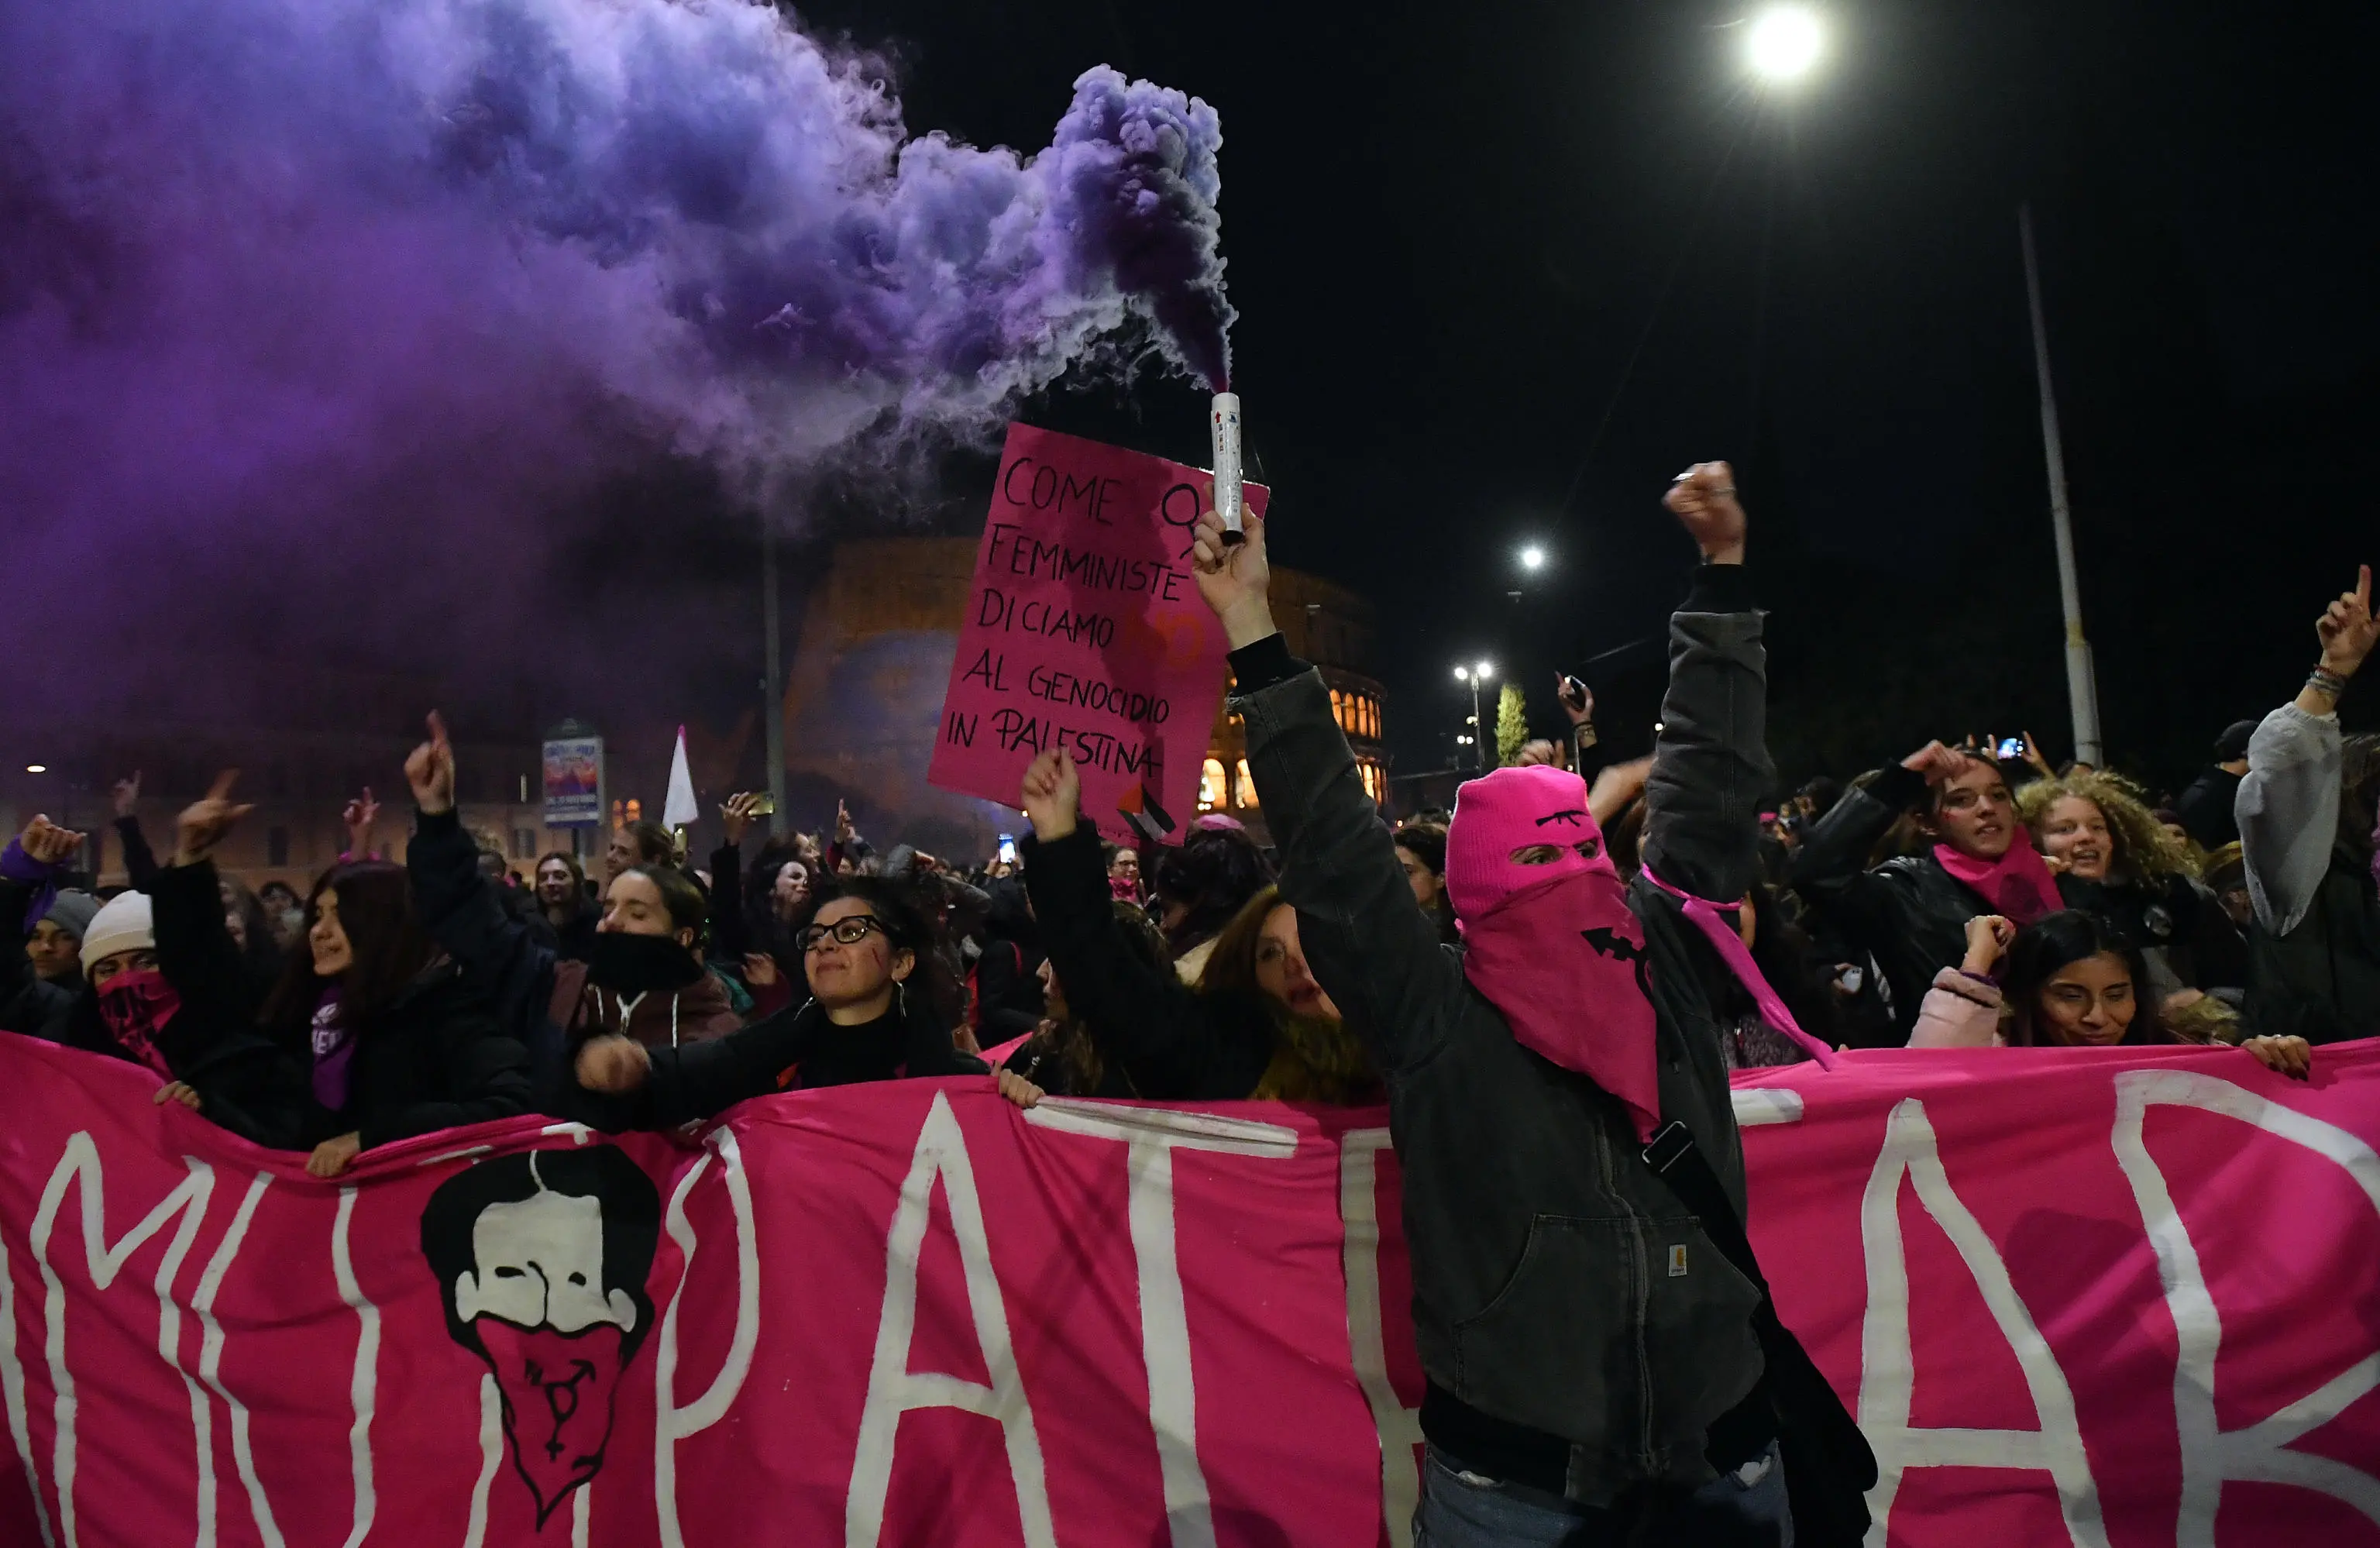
1783 42
1533 557
36 768
1476 677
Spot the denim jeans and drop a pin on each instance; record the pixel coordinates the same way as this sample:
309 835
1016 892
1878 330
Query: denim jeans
1460 1509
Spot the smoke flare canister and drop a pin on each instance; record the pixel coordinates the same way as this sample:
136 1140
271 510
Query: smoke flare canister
1225 423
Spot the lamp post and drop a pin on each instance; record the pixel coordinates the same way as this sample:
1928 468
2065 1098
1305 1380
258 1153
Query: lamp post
1476 676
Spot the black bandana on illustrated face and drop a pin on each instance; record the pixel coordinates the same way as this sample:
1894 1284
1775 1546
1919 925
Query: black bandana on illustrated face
639 964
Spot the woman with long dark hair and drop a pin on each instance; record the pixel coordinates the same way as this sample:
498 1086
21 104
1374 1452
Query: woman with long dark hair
395 1043
1256 1024
2070 980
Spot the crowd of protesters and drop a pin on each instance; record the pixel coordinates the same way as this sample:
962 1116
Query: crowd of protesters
1563 969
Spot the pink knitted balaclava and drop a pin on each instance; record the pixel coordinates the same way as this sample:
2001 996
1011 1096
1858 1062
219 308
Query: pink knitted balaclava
1553 946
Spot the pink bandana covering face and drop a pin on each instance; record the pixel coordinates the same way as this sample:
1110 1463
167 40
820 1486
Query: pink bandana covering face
1553 946
557 1392
135 1005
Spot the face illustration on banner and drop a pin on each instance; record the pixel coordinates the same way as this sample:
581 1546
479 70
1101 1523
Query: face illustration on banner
540 1259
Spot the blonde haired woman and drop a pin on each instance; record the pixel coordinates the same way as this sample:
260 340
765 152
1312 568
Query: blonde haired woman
2112 857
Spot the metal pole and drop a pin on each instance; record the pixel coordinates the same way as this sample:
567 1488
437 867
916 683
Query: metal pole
773 679
1478 731
2082 687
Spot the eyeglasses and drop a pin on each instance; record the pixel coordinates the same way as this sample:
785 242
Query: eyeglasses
847 931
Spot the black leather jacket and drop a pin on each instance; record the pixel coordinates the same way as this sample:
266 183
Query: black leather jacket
1908 913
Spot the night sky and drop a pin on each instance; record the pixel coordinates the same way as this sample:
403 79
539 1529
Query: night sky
1450 227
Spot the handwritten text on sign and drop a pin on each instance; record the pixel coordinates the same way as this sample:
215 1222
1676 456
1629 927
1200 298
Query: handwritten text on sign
1085 629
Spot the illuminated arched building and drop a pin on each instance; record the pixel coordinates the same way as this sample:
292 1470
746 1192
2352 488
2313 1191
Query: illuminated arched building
863 690
1332 626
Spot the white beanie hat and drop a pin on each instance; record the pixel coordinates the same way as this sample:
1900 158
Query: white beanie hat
122 924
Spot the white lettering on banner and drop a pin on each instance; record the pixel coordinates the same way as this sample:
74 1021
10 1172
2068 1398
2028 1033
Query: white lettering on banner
1755 1105
1888 1370
2210 1456
1399 1427
1150 1135
893 1389
491 1454
671 1423
80 1165
363 1387
211 1348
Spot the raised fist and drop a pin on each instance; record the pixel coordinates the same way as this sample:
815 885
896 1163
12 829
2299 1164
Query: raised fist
1705 504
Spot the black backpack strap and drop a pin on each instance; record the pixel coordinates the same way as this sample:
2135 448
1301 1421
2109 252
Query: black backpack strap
1678 1161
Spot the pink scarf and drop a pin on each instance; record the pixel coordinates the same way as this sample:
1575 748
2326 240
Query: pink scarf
1731 950
2018 885
1554 948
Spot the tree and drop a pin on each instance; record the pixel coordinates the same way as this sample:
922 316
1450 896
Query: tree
1512 724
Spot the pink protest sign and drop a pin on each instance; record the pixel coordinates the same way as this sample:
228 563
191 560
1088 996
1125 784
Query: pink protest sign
1085 629
2122 1297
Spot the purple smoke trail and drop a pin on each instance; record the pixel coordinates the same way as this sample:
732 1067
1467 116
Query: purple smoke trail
302 291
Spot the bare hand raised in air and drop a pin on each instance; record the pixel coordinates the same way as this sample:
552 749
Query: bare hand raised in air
2346 629
45 843
1938 763
1705 504
1052 794
205 822
431 770
1988 937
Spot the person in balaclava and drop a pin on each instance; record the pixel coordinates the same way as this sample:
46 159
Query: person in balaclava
643 977
1595 1361
161 986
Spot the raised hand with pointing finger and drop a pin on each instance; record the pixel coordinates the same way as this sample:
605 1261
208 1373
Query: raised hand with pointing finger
431 770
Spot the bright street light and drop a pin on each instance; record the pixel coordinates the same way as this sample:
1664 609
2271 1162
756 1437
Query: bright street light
1484 670
1783 42
1463 674
36 768
1533 557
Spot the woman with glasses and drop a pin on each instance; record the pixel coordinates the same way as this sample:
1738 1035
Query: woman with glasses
860 944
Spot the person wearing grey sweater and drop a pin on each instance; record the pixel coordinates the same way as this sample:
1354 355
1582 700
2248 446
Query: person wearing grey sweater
2306 811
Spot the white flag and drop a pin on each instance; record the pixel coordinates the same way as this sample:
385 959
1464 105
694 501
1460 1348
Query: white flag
680 809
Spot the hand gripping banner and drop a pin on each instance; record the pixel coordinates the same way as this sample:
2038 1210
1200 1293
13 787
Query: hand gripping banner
2117 1297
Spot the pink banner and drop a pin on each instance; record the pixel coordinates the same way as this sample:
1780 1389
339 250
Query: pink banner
2121 1297
1085 629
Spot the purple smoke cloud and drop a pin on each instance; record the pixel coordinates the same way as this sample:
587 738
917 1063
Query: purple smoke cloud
303 291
